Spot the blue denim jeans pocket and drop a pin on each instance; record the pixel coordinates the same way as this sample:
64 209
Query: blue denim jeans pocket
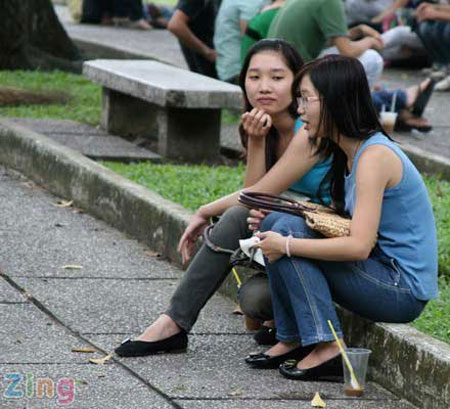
391 275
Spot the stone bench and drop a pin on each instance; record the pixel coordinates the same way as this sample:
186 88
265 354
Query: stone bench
179 108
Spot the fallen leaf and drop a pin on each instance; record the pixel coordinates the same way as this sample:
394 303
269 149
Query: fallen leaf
237 310
84 350
178 388
100 361
317 401
151 253
235 393
29 184
78 210
71 267
101 375
63 203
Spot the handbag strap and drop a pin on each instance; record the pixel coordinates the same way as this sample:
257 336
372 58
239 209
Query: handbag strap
267 201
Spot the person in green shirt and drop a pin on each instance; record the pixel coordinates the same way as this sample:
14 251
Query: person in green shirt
313 25
258 26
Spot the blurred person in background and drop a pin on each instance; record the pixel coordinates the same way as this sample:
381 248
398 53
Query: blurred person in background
193 24
231 23
318 27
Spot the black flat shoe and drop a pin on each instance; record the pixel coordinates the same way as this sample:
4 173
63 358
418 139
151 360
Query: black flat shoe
266 336
328 371
264 361
175 343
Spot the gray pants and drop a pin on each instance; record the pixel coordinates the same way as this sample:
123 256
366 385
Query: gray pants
209 269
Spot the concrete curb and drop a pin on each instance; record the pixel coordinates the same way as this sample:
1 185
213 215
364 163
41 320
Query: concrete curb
428 162
405 361
122 203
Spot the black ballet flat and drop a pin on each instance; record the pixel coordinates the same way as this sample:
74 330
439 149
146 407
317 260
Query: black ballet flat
266 336
175 344
330 370
264 361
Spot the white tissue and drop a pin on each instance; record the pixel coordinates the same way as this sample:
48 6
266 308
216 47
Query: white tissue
247 244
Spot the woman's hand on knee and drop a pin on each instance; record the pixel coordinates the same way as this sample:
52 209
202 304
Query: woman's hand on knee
255 218
191 235
273 245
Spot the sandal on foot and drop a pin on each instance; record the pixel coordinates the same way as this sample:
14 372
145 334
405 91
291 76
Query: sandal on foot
423 96
404 127
406 122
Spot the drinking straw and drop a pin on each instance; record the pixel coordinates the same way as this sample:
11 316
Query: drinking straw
236 276
383 108
353 380
394 99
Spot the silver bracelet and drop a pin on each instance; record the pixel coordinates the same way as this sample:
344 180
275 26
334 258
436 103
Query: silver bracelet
288 242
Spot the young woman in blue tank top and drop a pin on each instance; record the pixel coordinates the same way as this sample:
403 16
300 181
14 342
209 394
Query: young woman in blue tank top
266 131
386 269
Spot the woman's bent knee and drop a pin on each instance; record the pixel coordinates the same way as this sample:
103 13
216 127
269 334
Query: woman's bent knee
231 227
255 299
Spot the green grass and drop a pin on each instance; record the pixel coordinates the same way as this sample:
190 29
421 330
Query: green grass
84 97
439 191
435 319
190 186
230 117
171 3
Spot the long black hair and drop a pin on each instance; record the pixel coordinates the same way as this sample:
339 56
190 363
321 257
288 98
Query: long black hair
346 109
295 63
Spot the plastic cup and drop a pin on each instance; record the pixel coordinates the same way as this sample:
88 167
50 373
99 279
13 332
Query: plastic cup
359 358
388 120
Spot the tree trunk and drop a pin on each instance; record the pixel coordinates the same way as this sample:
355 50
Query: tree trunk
31 37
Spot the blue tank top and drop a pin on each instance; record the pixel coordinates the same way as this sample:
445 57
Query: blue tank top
407 230
309 184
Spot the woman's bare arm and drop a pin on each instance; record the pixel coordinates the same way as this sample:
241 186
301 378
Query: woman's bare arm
377 168
296 161
397 5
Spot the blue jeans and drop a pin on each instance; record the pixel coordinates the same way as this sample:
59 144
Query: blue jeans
435 35
384 97
304 290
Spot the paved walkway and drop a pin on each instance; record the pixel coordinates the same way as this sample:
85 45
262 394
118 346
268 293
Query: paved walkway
47 308
113 289
155 44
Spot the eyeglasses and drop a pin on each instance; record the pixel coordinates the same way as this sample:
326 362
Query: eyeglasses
302 102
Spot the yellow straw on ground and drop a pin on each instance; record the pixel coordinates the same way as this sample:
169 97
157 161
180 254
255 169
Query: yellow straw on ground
354 381
236 276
